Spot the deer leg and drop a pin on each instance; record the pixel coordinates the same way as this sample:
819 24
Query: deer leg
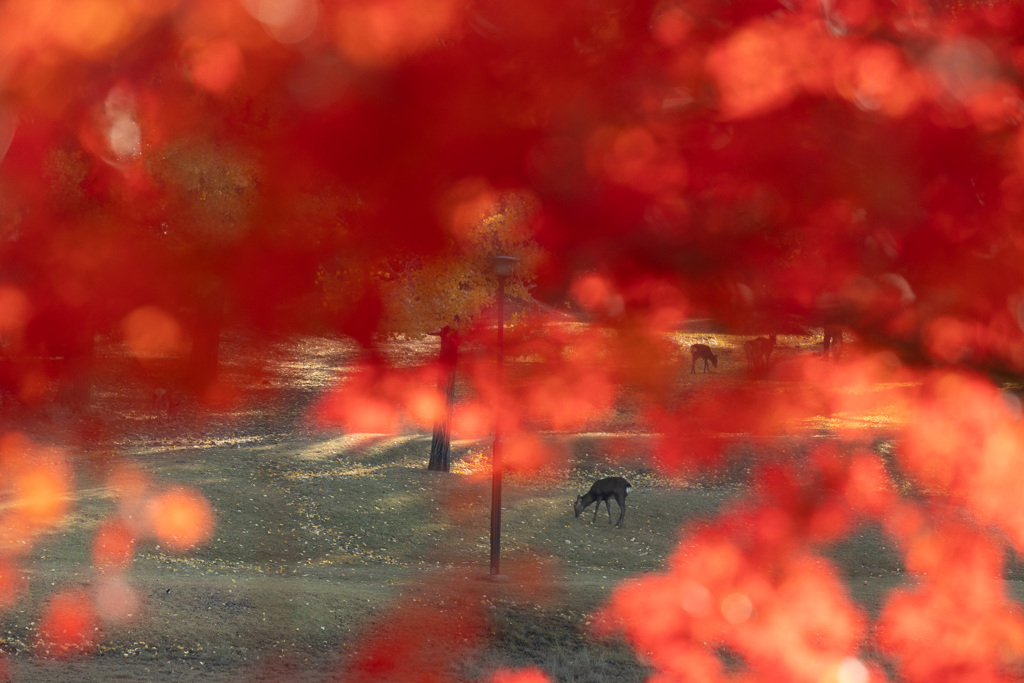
597 508
608 504
621 500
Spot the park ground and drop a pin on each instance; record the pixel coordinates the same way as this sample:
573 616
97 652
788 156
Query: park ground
325 542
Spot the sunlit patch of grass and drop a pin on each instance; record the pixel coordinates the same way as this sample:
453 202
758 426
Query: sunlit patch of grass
846 423
354 470
474 463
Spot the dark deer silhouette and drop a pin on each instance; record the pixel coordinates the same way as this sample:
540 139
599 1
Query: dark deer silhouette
702 352
759 351
164 402
604 490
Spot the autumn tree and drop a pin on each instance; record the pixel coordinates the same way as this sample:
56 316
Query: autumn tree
444 293
211 191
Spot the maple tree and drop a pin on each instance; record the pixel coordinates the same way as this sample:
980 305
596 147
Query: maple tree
750 160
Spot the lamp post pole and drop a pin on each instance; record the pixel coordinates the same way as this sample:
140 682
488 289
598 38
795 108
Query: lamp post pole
502 269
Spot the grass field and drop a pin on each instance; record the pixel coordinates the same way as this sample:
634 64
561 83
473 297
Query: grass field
315 537
322 540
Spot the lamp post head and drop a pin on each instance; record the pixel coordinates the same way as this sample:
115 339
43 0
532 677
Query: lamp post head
503 265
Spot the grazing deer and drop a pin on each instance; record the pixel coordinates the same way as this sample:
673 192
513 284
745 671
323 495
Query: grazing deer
163 402
759 351
702 352
604 490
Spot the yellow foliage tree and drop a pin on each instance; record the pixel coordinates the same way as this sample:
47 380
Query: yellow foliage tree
446 293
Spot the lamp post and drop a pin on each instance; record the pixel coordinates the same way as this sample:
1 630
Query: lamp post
503 266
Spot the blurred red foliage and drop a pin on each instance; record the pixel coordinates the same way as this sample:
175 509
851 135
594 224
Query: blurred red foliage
958 617
527 675
68 626
171 168
373 399
113 546
179 518
11 582
782 612
963 442
419 638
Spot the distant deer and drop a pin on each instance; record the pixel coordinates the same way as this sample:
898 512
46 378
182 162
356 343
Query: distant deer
164 403
604 490
759 351
702 352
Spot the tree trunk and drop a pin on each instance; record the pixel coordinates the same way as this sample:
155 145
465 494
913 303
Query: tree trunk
440 445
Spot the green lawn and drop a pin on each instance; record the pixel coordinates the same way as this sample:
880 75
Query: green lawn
321 541
315 538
